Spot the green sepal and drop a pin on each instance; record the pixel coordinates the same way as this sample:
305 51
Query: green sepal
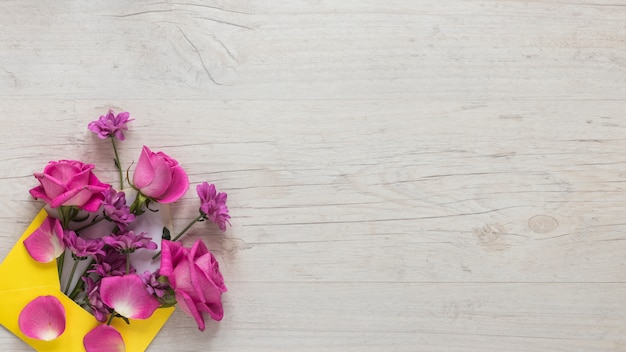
169 298
140 201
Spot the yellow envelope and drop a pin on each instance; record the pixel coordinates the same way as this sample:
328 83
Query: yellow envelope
23 279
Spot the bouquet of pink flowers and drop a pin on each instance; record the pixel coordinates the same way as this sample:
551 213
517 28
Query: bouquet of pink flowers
111 259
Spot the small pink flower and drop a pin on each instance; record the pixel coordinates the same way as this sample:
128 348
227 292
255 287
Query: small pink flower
112 263
195 278
153 284
70 183
104 338
46 243
111 125
129 242
127 295
160 177
98 309
82 247
43 318
115 208
213 204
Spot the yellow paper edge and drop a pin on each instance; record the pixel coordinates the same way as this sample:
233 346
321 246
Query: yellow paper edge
22 279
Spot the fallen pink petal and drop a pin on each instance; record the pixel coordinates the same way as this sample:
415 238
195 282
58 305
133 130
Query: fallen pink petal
104 338
46 243
128 296
43 318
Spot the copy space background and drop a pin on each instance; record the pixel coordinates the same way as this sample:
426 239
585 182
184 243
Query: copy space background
403 175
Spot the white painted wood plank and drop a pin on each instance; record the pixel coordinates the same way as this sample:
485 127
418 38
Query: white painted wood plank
313 50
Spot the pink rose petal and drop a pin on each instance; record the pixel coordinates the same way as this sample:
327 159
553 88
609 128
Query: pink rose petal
171 254
66 198
127 295
178 186
182 277
208 261
39 193
43 318
88 197
161 180
51 186
79 176
104 338
64 172
46 243
144 173
187 304
215 310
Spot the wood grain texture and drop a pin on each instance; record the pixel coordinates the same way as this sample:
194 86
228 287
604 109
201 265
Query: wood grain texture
403 175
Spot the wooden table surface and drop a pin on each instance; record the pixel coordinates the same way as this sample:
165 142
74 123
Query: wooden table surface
403 175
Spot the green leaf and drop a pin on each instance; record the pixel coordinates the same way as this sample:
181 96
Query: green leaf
166 233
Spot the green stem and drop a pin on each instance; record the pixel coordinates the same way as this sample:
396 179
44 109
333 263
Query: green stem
67 214
77 289
117 163
111 318
81 283
138 203
198 218
60 261
69 281
127 263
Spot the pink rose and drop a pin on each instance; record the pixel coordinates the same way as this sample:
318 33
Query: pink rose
195 277
70 183
160 177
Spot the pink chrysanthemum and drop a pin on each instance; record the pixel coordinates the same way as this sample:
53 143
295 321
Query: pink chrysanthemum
112 263
213 204
111 125
98 308
115 208
153 284
129 242
82 247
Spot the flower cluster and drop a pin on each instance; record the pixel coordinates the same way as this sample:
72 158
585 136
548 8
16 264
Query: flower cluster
92 233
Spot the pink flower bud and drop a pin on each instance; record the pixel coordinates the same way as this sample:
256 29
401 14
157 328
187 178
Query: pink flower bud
160 177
